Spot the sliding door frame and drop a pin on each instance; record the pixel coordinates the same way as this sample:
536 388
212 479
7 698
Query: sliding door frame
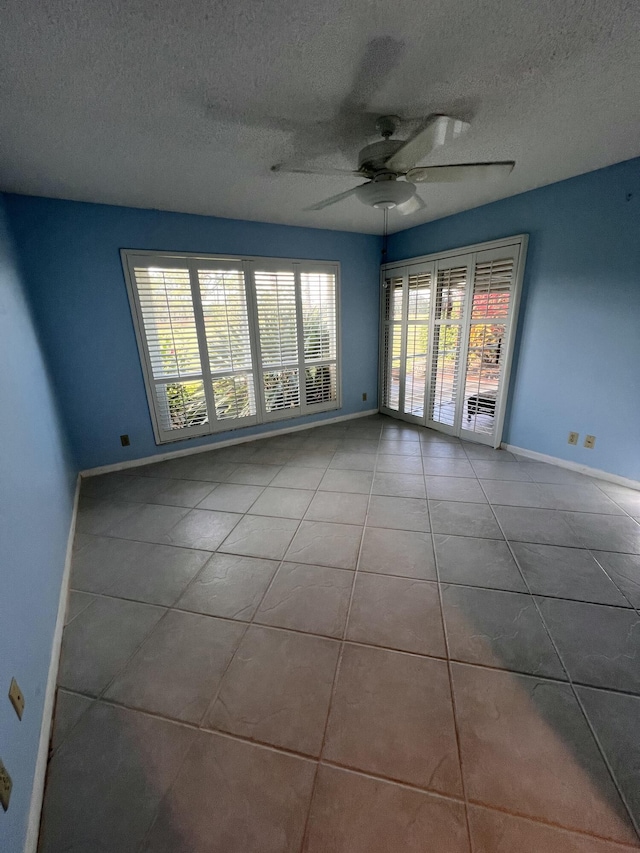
466 254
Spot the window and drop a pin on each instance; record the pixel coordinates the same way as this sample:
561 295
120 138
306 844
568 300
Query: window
226 343
447 338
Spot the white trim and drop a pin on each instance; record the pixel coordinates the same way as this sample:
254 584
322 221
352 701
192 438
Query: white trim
572 466
248 265
231 258
468 256
214 445
37 792
462 250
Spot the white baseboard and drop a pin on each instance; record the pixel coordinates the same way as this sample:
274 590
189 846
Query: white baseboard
572 466
37 792
241 439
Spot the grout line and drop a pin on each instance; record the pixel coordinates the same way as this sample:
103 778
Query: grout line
620 590
625 845
108 594
346 768
344 434
336 674
362 644
248 626
451 691
576 695
200 726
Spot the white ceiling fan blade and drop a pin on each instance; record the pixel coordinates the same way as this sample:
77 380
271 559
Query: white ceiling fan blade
332 200
281 167
414 204
438 131
461 172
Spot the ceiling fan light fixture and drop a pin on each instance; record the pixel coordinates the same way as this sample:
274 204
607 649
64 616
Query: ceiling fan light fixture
385 194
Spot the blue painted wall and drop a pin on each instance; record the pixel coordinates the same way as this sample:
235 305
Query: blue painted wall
36 492
70 255
578 358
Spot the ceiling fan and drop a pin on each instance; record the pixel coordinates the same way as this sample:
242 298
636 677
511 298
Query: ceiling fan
390 166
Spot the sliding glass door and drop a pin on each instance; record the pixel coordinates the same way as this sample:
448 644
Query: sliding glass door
446 339
406 318
452 276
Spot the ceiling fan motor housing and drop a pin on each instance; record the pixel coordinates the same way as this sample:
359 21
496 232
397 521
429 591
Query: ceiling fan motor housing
373 157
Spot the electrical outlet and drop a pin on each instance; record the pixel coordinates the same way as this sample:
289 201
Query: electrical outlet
17 698
5 786
573 437
124 440
589 441
364 396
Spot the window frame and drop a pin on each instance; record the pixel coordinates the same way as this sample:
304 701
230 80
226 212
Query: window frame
465 255
249 264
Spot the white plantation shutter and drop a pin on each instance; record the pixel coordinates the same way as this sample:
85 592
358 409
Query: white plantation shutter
278 330
416 349
446 341
450 296
226 343
493 283
392 324
319 324
226 322
170 344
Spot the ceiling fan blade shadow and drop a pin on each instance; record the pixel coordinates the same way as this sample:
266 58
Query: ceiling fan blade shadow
438 131
334 199
381 56
461 172
282 168
353 122
414 204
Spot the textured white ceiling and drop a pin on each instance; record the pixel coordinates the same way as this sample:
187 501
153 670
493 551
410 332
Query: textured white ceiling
185 104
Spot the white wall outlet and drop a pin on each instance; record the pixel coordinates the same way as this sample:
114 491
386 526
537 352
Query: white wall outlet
573 438
589 441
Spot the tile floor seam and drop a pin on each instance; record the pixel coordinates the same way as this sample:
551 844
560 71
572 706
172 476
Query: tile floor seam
553 508
569 830
523 541
100 696
162 799
621 591
343 766
612 498
451 691
392 780
51 750
84 609
634 823
336 674
185 724
244 634
540 594
251 621
361 644
200 726
136 650
575 693
383 436
431 792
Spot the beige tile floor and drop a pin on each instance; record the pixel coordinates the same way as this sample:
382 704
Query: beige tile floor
365 637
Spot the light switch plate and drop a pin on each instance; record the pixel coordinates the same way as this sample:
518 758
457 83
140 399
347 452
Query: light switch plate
589 441
5 786
17 698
